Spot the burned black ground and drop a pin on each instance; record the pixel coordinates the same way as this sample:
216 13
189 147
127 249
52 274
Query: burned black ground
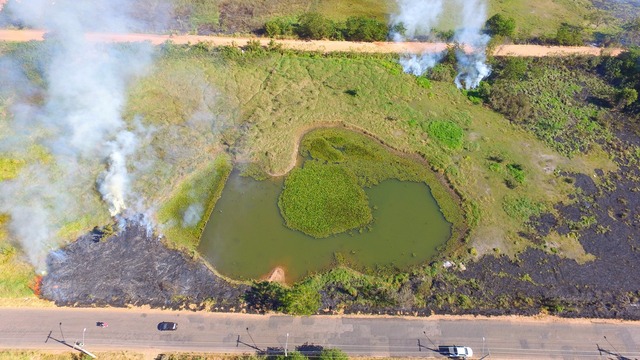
134 268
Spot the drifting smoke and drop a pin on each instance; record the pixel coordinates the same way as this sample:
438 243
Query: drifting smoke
417 17
114 183
77 122
415 20
472 67
192 215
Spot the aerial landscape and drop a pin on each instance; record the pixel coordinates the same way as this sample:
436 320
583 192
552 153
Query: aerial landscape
379 163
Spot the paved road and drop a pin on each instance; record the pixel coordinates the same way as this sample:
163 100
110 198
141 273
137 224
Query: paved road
317 45
135 329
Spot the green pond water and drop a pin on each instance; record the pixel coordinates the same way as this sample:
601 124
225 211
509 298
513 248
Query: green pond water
246 238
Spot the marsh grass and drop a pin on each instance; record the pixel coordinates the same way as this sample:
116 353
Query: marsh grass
197 194
447 133
321 200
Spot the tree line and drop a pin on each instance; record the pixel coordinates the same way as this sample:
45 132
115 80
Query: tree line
315 26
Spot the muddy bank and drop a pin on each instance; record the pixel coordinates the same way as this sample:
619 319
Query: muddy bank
134 268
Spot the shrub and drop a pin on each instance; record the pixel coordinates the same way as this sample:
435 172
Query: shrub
516 172
283 26
442 72
626 97
315 26
265 296
333 354
501 25
521 208
423 82
359 28
569 35
514 69
303 299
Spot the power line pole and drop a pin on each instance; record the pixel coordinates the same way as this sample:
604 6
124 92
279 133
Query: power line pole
286 344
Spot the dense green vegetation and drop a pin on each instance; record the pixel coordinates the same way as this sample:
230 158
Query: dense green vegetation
559 114
326 196
501 25
477 157
321 200
186 212
316 26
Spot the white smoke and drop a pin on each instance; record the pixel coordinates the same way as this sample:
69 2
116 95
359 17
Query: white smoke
192 215
114 183
472 67
78 120
419 64
418 17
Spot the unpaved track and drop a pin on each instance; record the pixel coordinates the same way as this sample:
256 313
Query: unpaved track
318 45
135 330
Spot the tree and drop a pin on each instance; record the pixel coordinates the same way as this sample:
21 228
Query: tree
501 25
358 28
569 35
315 26
265 296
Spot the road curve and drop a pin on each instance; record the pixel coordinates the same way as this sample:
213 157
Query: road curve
135 330
318 45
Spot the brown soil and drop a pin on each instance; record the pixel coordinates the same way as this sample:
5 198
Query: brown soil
276 275
319 45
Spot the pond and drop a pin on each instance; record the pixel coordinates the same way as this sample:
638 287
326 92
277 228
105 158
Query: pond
246 237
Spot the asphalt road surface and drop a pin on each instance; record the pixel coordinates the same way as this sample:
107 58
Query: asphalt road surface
136 330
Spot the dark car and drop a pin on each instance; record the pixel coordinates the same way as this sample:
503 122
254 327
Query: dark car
167 325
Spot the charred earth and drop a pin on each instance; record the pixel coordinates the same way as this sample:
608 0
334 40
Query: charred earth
134 267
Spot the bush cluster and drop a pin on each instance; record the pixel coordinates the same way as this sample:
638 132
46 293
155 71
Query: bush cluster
315 26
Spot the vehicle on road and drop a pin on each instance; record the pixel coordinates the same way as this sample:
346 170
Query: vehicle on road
101 324
455 351
167 326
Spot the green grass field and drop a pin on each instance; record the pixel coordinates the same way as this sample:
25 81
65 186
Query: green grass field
256 105
533 18
280 96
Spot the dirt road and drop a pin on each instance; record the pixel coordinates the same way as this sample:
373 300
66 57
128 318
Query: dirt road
136 330
318 45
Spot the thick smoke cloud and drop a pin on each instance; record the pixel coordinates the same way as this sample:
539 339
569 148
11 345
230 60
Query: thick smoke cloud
415 20
472 67
417 17
77 120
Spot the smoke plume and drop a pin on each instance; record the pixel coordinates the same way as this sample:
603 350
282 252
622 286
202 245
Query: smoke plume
472 67
416 19
74 115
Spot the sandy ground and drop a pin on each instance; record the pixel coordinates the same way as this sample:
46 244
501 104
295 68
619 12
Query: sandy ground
319 45
276 275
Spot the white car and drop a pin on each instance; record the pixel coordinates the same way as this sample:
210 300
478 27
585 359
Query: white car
455 351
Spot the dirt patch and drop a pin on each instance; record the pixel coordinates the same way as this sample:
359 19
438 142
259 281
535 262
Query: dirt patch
321 45
134 268
276 275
